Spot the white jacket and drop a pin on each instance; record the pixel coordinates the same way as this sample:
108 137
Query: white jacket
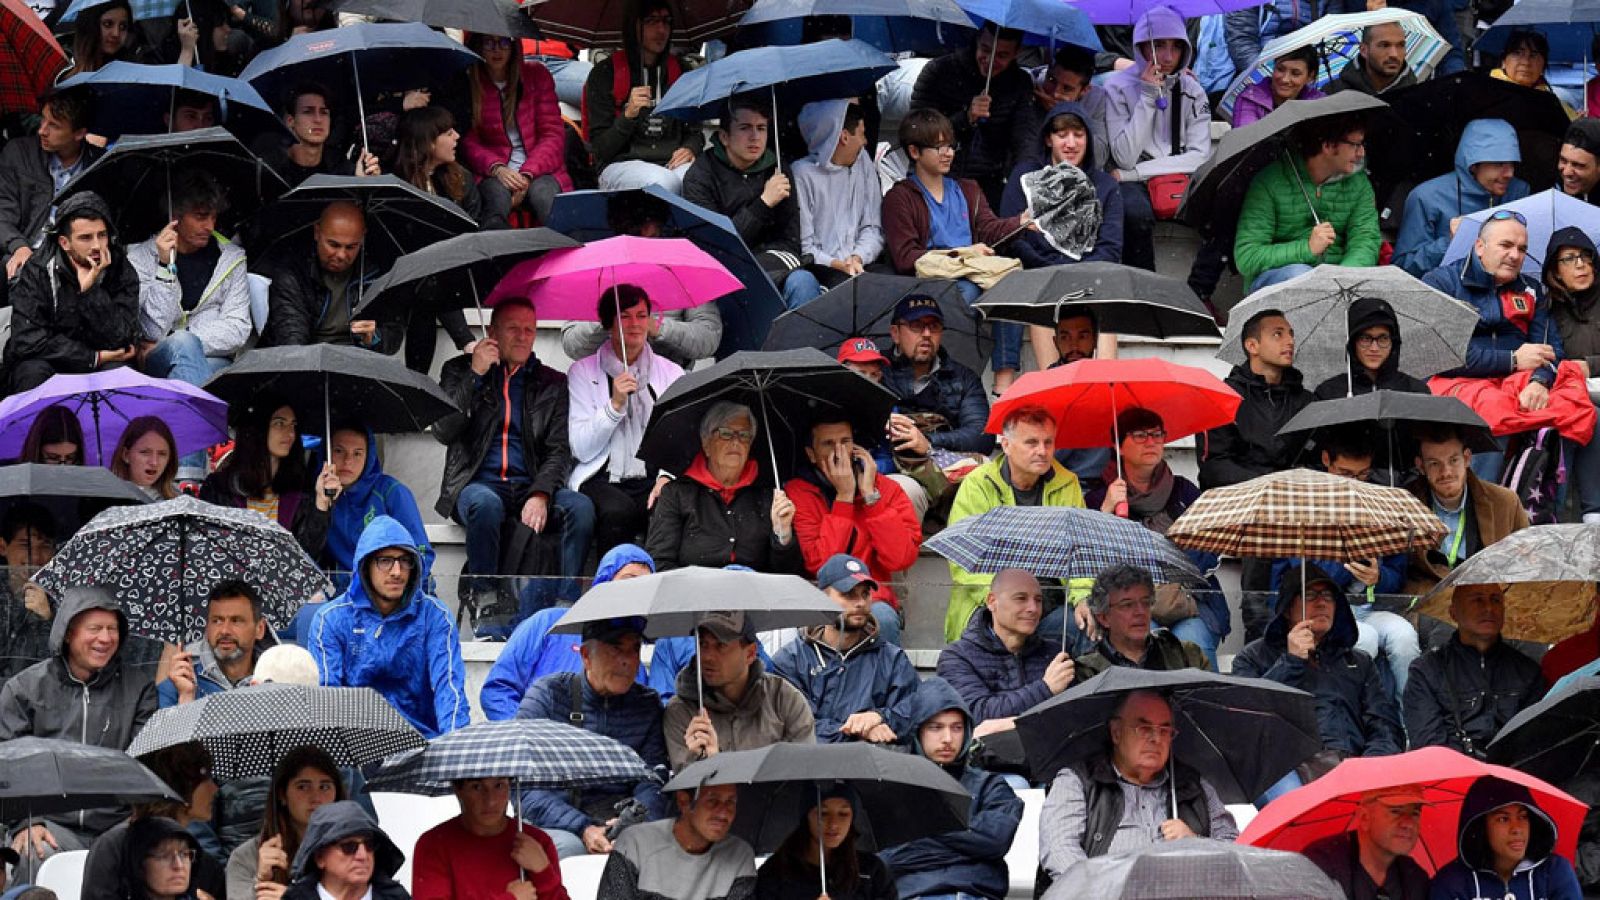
594 430
221 320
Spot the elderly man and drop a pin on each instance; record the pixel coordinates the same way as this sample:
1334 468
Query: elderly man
1463 691
1380 64
1374 859
1484 176
1475 512
225 658
1124 799
1121 601
312 298
1024 474
744 707
605 698
691 857
1002 666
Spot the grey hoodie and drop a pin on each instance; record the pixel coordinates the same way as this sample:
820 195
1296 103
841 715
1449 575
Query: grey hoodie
46 700
839 206
1139 114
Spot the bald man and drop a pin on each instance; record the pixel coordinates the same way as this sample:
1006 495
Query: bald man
1001 665
312 297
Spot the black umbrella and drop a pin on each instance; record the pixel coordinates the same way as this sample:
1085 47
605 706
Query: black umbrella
71 494
495 17
1391 409
138 172
784 389
400 218
1241 734
1218 187
864 307
1557 738
456 272
1122 299
1195 868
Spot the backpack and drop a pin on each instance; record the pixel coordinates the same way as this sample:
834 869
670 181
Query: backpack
1535 472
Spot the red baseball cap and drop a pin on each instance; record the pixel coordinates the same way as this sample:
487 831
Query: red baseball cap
860 350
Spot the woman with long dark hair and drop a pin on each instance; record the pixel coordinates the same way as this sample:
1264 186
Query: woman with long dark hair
425 156
305 779
518 140
794 872
54 439
101 34
266 472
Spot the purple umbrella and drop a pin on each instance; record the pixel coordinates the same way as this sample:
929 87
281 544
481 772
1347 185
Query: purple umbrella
1127 12
105 402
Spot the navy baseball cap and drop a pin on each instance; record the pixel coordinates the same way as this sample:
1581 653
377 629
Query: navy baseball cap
917 306
843 572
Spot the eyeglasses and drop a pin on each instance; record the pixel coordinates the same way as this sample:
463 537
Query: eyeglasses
1319 594
1162 733
60 459
1123 606
729 434
173 857
1359 145
941 148
1500 215
1576 260
353 845
1147 436
388 563
923 326
1380 341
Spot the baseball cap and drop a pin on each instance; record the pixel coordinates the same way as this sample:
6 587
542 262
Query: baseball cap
843 572
860 350
1397 795
917 306
728 626
608 631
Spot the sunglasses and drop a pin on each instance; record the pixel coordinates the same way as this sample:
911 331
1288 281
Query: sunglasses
1500 215
353 845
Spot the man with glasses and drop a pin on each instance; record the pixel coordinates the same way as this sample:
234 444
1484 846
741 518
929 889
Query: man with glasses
1121 600
633 146
1485 175
1312 206
1475 512
1124 799
387 633
1372 861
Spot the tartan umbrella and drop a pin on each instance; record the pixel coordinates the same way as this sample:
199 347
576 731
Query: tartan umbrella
531 752
1060 542
1548 572
29 57
249 728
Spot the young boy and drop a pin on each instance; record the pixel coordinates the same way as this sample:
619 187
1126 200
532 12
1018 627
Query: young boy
838 192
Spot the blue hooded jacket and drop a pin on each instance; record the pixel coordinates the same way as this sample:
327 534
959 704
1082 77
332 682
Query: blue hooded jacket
411 656
1543 874
532 652
372 495
1356 710
871 676
971 861
1425 226
1495 338
1031 247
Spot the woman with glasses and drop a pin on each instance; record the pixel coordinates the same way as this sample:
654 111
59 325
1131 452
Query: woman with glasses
1374 354
1523 62
54 439
345 855
1569 274
715 513
186 768
160 864
517 144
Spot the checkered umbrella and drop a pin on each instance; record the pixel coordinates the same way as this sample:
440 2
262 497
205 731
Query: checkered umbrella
532 752
29 57
1307 514
247 730
1060 542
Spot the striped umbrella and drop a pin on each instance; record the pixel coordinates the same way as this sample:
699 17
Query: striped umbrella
1338 39
29 57
532 752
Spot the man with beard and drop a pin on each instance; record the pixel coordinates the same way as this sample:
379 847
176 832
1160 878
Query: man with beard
1374 858
692 857
225 658
1380 64
1578 165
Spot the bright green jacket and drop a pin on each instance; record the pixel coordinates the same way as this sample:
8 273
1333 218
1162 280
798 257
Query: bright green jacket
1276 220
983 489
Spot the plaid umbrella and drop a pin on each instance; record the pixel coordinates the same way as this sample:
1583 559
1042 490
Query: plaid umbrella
29 57
1435 325
532 752
1309 514
1060 542
162 559
248 729
1548 572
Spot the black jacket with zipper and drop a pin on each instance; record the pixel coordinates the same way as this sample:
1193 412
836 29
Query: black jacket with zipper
298 300
1456 694
482 399
1250 447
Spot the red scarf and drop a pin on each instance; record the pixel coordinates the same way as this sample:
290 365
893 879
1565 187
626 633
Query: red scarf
700 472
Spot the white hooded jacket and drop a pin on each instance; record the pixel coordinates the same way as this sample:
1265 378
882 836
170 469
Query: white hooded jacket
1139 114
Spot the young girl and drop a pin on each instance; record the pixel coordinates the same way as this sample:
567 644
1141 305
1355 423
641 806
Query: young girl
147 456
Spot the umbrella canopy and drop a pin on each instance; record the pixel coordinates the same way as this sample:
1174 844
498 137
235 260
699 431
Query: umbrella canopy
36 481
106 401
784 390
1127 12
900 797
1546 213
30 57
1195 869
139 169
163 559
46 776
249 729
674 603
318 379
1337 38
400 218
1435 326
1051 21
132 98
476 16
1300 512
1060 542
1328 806
1388 409
746 313
598 23
534 753
455 272
1086 397
924 27
1122 300
567 284
1568 25
1548 572
1218 187
792 76
1240 734
864 307
1555 739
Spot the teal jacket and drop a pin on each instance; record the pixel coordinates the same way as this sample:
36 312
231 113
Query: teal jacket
1277 217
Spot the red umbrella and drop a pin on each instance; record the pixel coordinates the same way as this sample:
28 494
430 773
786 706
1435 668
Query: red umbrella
1328 805
29 57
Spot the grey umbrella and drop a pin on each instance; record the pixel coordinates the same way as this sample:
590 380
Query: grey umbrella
1548 572
1434 326
1196 869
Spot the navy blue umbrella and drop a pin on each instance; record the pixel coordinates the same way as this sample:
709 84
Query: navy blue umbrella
794 75
927 27
131 98
360 59
746 315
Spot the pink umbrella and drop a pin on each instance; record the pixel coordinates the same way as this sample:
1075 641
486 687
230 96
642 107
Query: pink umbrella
564 284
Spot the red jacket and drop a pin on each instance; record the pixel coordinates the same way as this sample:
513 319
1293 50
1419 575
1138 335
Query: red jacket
544 133
906 221
886 535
